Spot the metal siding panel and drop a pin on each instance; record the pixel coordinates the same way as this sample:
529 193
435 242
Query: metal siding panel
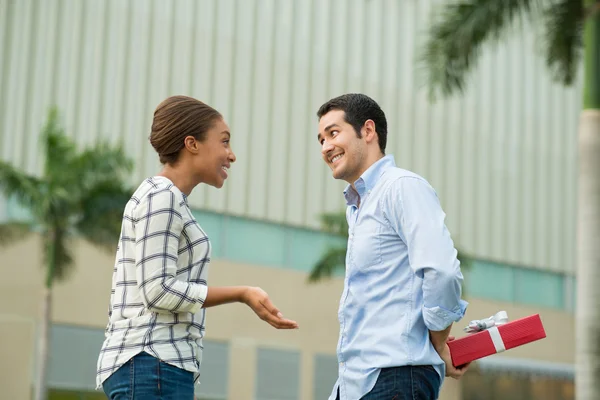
483 138
77 49
356 55
336 85
389 72
302 120
572 169
240 117
279 114
203 71
512 212
182 47
452 196
89 90
529 155
117 56
260 135
223 84
6 28
556 229
38 85
316 169
540 200
156 82
505 167
16 87
469 165
406 105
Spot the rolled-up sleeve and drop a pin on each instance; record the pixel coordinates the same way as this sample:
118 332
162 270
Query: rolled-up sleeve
158 225
414 210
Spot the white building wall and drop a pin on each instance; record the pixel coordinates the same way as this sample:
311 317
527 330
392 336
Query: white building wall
502 157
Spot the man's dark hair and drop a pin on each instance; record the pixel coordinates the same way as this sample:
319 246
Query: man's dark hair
358 109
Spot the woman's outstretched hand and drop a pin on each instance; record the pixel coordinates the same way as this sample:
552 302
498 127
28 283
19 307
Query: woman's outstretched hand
258 300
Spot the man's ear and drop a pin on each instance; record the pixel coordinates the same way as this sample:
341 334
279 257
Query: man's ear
369 132
191 144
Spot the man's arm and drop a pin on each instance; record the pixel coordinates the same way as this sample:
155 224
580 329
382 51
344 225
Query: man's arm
414 210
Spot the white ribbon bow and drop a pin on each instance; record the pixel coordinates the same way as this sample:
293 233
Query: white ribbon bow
479 325
491 325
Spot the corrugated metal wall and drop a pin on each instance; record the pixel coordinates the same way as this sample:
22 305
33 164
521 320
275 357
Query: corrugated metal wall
502 157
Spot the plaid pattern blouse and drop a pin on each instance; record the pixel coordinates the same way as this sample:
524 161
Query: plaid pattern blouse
159 282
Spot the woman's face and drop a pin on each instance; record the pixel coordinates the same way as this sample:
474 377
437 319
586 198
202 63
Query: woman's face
214 156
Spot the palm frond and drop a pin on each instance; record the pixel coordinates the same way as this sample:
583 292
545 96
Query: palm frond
28 190
59 260
102 162
334 259
102 213
455 39
564 39
59 149
335 223
10 232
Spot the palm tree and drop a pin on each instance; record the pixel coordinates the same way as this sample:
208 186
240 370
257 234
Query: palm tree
572 33
334 258
79 192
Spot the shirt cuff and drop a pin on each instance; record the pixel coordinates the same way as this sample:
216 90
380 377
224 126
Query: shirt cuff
438 318
202 291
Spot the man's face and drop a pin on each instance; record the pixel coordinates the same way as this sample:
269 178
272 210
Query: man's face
342 150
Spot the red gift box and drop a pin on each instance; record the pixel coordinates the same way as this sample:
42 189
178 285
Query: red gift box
496 339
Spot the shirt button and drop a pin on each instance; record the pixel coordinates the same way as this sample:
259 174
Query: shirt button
341 364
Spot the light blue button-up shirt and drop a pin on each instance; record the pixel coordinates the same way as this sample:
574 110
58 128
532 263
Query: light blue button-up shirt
402 278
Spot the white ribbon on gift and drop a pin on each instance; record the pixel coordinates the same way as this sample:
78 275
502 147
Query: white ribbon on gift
491 325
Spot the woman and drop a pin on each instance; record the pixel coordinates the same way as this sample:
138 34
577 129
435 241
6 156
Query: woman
153 345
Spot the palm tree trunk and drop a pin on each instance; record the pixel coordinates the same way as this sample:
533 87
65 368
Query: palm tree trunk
42 348
587 377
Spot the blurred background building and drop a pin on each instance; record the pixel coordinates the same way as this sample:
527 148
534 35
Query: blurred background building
502 158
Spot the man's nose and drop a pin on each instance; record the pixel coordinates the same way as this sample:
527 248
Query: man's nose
326 147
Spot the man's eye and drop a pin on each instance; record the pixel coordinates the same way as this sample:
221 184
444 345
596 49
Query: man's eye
333 133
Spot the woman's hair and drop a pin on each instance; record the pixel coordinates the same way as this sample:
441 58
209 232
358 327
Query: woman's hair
176 118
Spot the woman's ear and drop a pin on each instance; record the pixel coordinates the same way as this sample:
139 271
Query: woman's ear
191 144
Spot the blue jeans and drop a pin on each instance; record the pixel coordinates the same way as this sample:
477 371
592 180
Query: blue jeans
145 377
406 383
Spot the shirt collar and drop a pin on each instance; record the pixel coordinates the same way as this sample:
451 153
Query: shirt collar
368 179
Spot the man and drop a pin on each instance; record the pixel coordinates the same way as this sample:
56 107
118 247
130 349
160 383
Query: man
403 281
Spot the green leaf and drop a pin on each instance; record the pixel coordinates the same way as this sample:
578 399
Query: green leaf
335 223
564 39
27 190
334 259
57 255
456 37
10 232
102 213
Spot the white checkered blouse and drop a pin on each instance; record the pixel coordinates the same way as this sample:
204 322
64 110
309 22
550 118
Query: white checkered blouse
159 282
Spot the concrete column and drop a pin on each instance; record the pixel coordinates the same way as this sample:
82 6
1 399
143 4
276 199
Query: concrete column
242 369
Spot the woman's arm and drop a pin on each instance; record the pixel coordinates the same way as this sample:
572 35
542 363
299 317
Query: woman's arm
255 298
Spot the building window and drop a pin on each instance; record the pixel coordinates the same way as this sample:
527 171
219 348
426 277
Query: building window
278 375
325 375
